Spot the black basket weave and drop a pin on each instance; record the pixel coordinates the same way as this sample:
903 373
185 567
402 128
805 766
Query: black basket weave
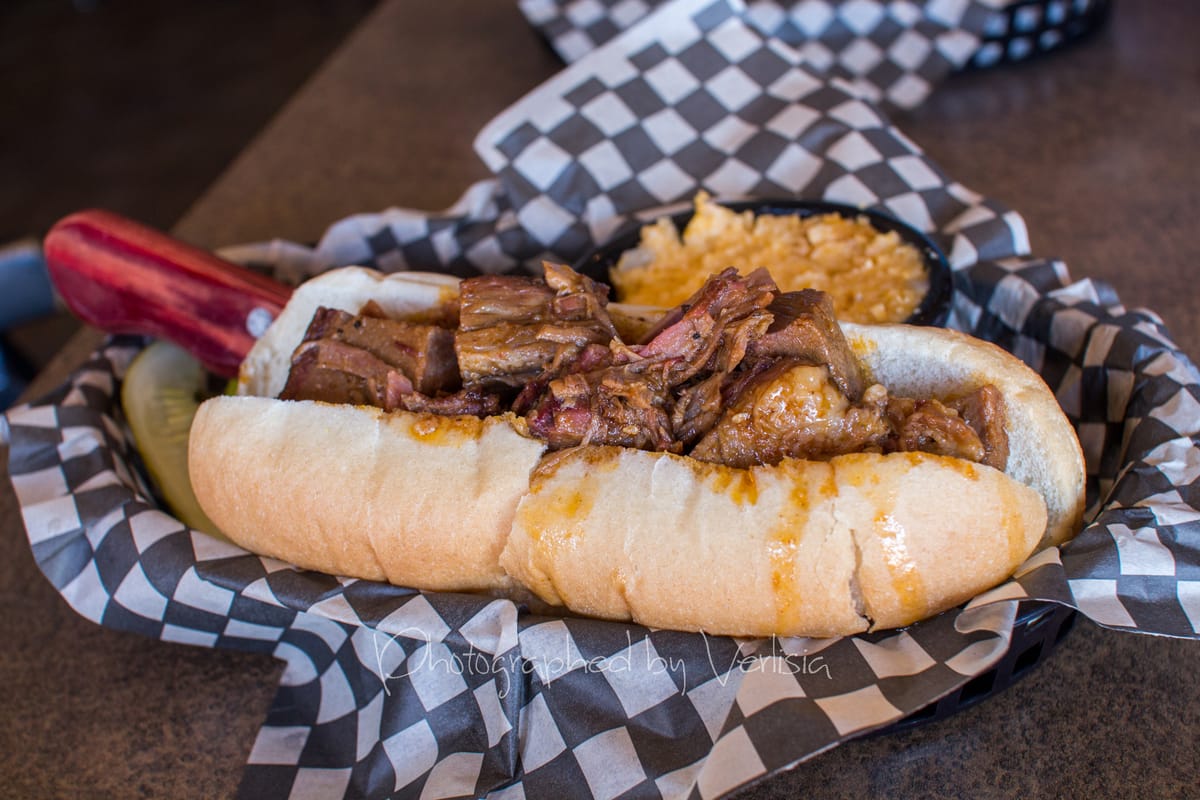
1031 27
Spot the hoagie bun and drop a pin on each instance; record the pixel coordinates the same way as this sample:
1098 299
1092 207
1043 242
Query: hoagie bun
821 547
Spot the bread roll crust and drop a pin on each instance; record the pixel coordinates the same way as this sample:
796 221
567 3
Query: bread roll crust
672 542
859 542
413 499
802 548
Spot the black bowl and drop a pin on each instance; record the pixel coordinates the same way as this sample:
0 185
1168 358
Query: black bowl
934 308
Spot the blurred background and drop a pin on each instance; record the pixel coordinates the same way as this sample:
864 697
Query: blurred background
135 106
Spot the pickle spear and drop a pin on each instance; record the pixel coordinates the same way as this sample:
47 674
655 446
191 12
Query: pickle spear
163 387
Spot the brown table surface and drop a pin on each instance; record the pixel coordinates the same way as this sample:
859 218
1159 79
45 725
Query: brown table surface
1096 146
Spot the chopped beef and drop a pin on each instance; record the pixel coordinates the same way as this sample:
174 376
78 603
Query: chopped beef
740 374
463 402
335 372
983 410
563 417
592 357
496 342
423 353
510 354
698 405
932 427
688 342
367 359
793 410
805 328
724 294
662 395
736 339
697 409
494 299
615 405
578 298
515 330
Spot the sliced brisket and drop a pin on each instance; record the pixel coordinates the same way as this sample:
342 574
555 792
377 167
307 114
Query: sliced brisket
983 410
424 354
335 372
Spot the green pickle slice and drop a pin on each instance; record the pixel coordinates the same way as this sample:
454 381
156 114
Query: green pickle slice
163 387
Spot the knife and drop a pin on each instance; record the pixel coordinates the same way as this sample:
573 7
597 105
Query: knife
125 277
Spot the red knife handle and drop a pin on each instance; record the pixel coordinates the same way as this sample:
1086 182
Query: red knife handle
124 277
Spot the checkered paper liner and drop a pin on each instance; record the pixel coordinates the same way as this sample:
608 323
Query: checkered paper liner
892 52
889 52
393 692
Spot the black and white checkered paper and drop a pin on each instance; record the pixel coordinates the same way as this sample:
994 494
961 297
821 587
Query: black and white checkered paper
890 52
391 692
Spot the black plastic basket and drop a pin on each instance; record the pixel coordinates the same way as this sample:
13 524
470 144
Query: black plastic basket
1038 629
1031 27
